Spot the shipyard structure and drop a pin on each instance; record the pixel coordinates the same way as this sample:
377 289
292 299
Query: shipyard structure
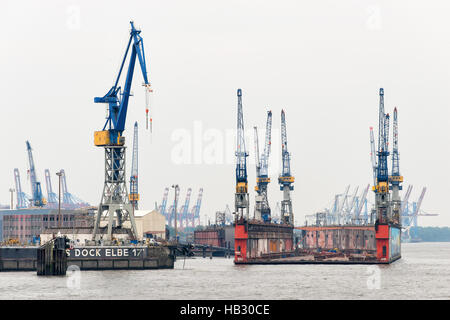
336 236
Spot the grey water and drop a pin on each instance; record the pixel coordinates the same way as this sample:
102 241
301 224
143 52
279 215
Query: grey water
422 273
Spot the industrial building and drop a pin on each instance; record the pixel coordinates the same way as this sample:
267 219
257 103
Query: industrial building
149 224
25 225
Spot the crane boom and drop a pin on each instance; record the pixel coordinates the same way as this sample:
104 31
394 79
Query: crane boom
36 192
257 162
373 157
162 208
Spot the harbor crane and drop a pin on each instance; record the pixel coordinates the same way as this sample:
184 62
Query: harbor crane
286 179
185 209
38 199
134 195
52 197
114 201
396 179
195 211
163 206
381 188
241 196
262 208
69 200
23 200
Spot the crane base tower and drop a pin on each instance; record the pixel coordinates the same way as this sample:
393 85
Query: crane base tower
115 207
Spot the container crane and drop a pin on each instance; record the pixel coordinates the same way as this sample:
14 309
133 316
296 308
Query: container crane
361 202
286 179
38 199
262 208
163 206
115 201
241 195
52 197
23 200
195 212
185 209
134 195
396 179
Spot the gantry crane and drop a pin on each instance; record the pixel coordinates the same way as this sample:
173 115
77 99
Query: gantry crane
195 211
23 200
115 201
286 179
134 194
38 199
185 209
396 179
361 202
52 197
262 208
241 196
163 206
70 200
173 210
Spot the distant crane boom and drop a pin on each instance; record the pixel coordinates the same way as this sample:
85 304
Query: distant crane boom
36 191
134 194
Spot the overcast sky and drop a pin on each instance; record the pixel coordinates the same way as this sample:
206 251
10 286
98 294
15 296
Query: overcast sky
322 61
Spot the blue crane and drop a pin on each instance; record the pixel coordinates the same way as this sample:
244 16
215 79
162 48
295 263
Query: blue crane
115 200
38 199
286 179
381 189
52 197
241 196
163 206
134 194
185 209
383 152
70 201
23 200
195 211
262 208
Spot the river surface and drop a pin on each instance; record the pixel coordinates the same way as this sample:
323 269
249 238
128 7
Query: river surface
422 273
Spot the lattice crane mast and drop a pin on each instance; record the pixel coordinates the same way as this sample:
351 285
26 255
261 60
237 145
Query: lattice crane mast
382 196
396 179
262 208
241 195
286 179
